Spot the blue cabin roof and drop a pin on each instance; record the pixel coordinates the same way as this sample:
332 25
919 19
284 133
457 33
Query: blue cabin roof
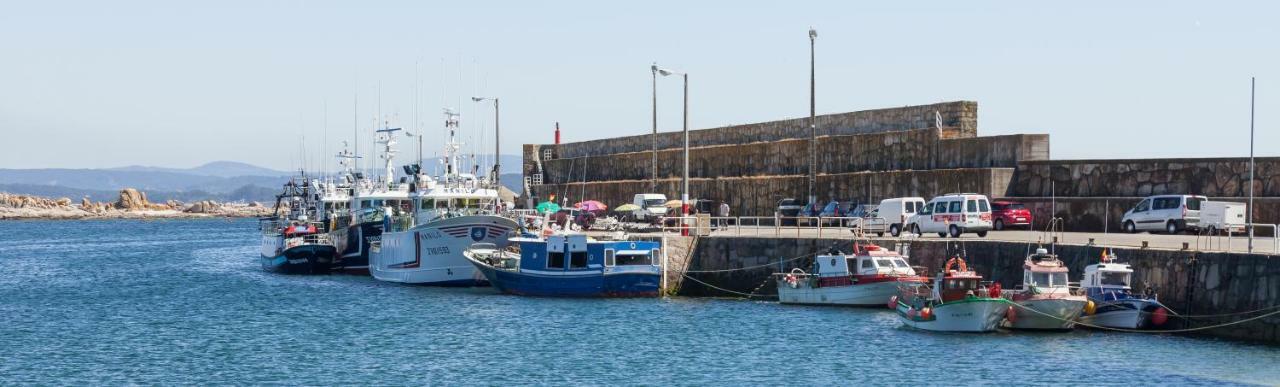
575 252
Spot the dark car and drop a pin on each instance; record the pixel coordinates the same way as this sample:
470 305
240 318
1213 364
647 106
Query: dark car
787 208
1009 214
836 209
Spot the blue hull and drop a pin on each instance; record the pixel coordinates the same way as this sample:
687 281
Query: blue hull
307 259
588 284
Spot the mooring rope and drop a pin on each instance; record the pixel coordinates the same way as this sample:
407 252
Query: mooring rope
771 263
1183 330
747 295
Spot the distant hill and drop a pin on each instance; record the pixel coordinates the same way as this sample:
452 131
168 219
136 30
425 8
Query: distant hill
216 168
248 193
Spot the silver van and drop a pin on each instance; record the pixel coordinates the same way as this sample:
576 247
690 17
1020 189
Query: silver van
1168 213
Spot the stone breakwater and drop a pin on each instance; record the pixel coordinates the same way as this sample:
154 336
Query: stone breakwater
131 204
1191 283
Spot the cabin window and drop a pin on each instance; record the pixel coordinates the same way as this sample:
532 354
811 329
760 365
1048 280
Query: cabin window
655 256
632 259
900 263
364 204
886 263
555 260
608 257
578 260
867 264
1115 279
1059 279
953 284
428 204
1040 279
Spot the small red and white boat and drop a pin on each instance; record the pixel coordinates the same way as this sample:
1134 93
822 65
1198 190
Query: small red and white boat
1045 299
958 301
867 277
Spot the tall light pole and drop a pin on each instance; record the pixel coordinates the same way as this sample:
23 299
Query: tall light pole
497 143
1252 90
684 181
813 125
653 185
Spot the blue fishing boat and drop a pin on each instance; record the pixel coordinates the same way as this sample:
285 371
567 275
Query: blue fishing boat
570 265
1116 304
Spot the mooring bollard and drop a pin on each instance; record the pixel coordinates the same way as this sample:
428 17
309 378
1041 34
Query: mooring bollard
1144 244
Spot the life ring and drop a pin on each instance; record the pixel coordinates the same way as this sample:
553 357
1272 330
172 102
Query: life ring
956 261
792 281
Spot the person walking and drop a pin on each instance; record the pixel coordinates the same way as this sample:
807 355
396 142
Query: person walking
723 213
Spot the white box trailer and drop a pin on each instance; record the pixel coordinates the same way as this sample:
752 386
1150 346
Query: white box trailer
1222 217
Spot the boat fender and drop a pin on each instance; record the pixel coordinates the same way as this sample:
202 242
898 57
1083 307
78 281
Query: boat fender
1090 307
994 289
893 302
1011 314
792 281
926 313
1159 316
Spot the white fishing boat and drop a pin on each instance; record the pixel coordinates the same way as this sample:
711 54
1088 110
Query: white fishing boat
424 238
1107 284
957 301
867 277
1046 300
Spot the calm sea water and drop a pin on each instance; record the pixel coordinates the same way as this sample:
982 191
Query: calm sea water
184 301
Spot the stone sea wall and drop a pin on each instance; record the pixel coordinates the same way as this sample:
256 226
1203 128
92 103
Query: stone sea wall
961 115
923 149
757 196
1190 283
1213 177
1105 213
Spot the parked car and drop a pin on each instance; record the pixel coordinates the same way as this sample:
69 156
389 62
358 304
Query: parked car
652 206
810 210
1223 217
787 208
1006 214
835 209
892 214
1168 213
953 214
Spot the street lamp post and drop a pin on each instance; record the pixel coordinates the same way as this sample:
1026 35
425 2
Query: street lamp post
813 125
684 180
653 184
497 143
1252 90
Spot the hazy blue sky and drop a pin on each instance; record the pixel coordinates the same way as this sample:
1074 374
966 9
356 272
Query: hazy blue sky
103 84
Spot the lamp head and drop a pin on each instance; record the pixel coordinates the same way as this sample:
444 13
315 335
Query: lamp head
478 99
813 34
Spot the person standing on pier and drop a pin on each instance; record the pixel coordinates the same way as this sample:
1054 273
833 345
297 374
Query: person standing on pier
723 213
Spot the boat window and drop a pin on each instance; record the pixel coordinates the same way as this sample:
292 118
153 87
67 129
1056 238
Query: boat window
900 263
578 260
1059 279
1116 279
956 207
428 204
377 203
953 284
1040 279
608 257
867 264
655 256
973 284
632 259
884 263
364 204
555 260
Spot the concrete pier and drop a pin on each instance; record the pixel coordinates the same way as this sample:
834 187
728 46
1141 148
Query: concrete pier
1190 283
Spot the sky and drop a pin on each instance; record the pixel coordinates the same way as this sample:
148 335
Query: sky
281 83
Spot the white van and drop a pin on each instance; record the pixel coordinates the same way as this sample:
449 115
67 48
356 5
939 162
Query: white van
953 214
652 206
896 212
1168 213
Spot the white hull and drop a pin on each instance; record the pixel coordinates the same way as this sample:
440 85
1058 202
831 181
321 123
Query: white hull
431 254
873 294
983 315
1118 314
1048 314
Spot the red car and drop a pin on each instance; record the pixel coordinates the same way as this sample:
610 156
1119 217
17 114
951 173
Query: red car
1008 214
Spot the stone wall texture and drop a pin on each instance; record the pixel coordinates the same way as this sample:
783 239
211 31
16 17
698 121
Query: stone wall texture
923 149
1104 214
1213 177
960 115
1188 282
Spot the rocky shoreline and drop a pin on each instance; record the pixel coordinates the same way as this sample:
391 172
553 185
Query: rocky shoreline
132 204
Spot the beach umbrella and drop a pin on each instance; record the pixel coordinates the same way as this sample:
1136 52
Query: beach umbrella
626 208
548 207
591 206
673 204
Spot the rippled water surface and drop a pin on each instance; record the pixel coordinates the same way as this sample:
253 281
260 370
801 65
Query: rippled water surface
184 301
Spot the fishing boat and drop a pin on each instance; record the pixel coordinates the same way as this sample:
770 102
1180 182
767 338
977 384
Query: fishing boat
1107 284
867 277
957 301
570 265
292 242
1045 299
425 233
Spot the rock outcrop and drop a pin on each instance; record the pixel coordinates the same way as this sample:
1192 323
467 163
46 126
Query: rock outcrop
132 199
204 207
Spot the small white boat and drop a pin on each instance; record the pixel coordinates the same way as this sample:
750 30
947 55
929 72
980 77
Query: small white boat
957 301
1116 306
1045 300
868 277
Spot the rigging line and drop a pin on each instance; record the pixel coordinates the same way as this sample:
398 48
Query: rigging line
785 260
718 288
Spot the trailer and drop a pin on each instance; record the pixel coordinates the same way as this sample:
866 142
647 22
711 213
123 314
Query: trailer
1223 217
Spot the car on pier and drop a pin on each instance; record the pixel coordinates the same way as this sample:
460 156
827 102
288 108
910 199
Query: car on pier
786 211
1009 214
953 214
1168 213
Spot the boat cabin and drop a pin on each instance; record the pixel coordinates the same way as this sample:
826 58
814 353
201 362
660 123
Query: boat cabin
956 282
1107 277
577 253
868 261
1044 270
